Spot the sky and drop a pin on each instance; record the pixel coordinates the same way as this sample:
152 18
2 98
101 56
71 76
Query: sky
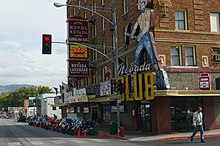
22 23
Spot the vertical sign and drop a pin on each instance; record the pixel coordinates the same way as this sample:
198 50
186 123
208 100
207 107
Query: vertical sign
78 29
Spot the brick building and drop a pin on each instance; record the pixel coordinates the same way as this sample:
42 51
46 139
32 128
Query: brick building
187 46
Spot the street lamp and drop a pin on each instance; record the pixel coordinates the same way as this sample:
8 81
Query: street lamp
114 23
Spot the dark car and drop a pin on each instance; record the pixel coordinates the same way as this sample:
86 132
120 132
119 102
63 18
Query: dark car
22 119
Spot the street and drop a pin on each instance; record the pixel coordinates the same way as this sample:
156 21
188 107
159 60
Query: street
21 134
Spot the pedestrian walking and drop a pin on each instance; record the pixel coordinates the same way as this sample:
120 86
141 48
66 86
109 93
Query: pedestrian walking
198 124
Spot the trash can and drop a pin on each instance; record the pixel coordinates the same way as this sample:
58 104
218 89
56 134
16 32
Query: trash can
113 128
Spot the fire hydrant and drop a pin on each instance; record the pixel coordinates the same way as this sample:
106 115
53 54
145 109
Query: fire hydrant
122 131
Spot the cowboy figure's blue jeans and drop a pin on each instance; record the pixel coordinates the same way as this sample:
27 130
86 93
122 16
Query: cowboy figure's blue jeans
200 129
145 43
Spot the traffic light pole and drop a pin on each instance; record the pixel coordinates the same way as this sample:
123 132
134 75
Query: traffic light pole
118 101
114 22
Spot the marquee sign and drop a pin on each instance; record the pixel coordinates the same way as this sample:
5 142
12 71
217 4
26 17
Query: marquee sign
78 67
77 51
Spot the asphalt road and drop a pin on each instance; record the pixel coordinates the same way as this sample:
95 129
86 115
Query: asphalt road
21 134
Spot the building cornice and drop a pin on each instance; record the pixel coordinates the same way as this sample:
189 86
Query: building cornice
188 93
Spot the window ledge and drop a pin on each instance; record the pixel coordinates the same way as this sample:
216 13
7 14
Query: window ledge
184 67
177 30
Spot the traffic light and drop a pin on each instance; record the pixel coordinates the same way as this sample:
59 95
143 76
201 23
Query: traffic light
120 86
46 43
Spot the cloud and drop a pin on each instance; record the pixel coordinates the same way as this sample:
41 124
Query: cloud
22 25
12 44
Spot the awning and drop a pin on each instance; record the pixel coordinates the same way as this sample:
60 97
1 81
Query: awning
184 93
108 98
58 105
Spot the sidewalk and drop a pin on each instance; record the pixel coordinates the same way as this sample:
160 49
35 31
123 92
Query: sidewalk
173 136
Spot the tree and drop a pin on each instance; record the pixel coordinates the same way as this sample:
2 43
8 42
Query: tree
16 98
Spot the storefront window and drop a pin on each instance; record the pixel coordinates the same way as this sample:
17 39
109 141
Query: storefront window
106 114
182 110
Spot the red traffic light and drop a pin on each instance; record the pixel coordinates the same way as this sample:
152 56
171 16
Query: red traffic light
46 38
46 43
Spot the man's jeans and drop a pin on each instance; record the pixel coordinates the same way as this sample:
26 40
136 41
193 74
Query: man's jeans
199 128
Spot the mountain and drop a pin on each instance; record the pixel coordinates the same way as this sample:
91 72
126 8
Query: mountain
12 87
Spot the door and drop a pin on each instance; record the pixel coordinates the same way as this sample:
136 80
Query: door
145 117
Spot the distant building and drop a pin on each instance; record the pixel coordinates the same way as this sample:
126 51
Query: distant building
47 102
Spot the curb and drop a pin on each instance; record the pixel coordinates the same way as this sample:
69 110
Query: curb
186 137
115 137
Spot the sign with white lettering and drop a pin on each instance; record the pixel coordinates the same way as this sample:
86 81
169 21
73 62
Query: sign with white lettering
78 67
79 91
204 81
78 29
105 88
122 70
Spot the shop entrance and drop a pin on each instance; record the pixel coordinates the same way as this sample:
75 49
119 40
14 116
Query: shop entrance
182 110
145 117
94 113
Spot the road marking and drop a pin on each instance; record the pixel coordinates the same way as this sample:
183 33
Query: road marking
14 144
79 141
36 143
98 140
58 142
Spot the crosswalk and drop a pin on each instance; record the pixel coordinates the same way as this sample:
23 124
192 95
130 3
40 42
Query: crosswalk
61 142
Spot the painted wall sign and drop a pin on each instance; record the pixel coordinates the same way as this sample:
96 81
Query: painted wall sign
78 52
78 67
105 88
78 29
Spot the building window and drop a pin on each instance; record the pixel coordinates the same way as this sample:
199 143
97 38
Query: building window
95 30
103 73
127 61
74 11
85 15
103 48
94 55
103 24
175 56
103 2
189 56
214 22
113 42
125 6
54 108
180 20
79 4
93 8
